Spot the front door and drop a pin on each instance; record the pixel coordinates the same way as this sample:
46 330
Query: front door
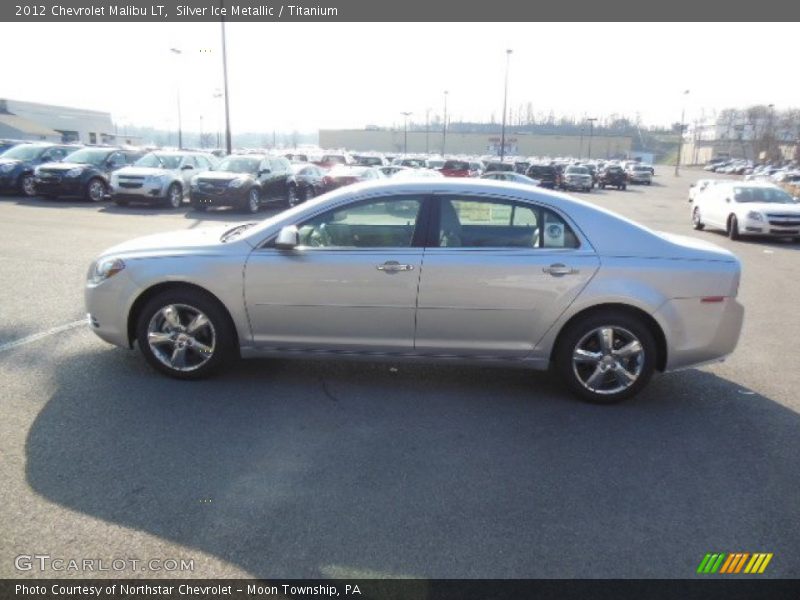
351 285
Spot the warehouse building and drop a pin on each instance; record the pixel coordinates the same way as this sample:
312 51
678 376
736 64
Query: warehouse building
47 122
521 144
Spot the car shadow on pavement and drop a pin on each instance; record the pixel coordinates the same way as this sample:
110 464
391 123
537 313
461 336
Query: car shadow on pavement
313 469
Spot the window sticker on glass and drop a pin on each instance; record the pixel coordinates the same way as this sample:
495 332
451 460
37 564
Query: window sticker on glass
554 235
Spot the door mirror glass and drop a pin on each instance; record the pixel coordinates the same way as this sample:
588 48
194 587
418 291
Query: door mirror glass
288 238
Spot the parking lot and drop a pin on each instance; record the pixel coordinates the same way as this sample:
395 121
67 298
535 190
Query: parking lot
282 468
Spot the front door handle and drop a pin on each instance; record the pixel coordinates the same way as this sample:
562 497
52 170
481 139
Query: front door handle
559 269
392 266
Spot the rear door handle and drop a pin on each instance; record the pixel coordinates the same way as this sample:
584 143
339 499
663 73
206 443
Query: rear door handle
559 269
392 266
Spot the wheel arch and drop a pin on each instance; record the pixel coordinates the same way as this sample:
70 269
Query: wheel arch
149 293
647 319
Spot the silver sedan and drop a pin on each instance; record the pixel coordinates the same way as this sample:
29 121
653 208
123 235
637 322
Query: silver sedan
458 270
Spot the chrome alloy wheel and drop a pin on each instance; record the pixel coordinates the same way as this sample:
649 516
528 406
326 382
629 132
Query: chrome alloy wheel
608 360
181 337
97 190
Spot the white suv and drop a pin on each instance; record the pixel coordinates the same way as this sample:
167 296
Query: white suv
159 178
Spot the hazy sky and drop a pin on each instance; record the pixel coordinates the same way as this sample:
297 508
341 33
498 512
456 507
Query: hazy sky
307 76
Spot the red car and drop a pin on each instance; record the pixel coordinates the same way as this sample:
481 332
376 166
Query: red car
460 168
342 175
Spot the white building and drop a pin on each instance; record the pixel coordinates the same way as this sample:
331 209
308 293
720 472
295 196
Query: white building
35 121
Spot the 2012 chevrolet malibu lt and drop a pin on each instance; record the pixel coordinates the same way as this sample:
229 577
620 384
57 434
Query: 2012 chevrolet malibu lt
455 269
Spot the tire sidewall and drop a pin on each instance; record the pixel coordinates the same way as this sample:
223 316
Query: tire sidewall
578 329
225 339
90 184
170 191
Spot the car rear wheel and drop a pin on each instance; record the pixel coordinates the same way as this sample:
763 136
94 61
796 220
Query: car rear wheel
174 196
95 190
733 227
27 185
185 334
697 221
606 356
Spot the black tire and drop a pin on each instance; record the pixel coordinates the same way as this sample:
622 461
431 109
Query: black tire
697 222
733 228
95 190
252 203
292 197
221 332
174 198
26 185
582 327
648 183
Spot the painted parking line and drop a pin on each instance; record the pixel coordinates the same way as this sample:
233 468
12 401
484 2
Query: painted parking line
41 335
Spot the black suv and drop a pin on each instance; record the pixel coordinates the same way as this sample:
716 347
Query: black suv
547 175
497 166
613 176
17 165
84 173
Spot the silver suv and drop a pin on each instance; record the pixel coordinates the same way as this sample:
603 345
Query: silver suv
159 177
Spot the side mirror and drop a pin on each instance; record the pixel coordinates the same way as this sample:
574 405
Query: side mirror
288 238
264 172
186 167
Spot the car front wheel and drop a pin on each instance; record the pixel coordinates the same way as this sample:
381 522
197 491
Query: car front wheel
185 334
27 185
697 221
95 190
253 202
606 357
733 228
174 196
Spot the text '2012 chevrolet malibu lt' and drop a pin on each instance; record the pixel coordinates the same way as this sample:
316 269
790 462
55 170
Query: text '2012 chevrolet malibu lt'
462 270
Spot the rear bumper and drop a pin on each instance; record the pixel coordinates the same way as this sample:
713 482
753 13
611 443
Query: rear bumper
699 332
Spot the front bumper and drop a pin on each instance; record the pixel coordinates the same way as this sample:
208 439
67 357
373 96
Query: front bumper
141 194
64 187
108 304
230 197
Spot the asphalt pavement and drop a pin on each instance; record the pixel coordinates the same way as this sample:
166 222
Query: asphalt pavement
282 468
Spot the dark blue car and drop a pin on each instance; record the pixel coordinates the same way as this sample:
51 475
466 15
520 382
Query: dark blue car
18 163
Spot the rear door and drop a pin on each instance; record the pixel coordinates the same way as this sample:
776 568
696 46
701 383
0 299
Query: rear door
496 276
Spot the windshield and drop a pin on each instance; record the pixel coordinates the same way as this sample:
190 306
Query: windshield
456 165
88 156
24 152
239 164
159 161
765 194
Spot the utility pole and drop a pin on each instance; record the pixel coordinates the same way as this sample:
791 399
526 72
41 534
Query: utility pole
405 131
680 138
591 133
444 127
505 102
228 145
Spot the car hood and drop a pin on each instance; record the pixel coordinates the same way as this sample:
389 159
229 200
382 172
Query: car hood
143 171
172 243
770 207
10 161
62 166
223 175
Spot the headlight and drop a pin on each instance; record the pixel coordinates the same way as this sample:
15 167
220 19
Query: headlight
755 216
7 168
103 269
74 172
237 183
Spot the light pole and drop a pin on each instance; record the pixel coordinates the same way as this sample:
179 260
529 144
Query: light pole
505 102
444 126
427 129
218 96
591 133
680 138
225 79
177 52
405 131
771 131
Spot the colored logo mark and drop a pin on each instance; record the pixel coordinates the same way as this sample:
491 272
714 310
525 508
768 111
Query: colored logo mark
736 562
